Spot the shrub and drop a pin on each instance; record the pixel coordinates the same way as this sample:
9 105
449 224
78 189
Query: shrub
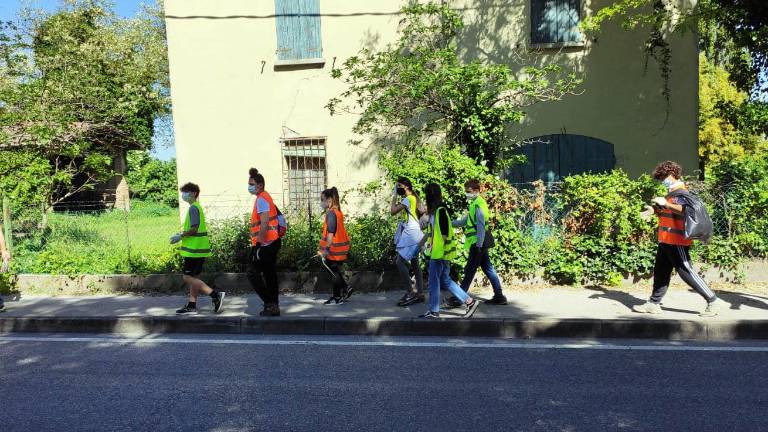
152 179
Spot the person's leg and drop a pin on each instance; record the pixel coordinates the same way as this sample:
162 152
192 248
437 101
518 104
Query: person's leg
334 268
434 267
254 272
662 273
471 268
682 262
270 273
2 305
490 272
405 276
447 282
417 274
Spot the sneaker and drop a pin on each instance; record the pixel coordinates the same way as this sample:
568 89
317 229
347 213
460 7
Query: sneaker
2 307
713 309
218 301
410 299
348 292
471 308
648 307
334 301
270 311
453 303
430 315
187 309
498 300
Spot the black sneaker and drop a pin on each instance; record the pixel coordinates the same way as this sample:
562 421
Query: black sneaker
334 301
348 292
453 303
270 311
499 300
186 310
411 299
471 308
430 315
2 307
218 301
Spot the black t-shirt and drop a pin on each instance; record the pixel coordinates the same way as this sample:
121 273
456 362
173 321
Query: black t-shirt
444 222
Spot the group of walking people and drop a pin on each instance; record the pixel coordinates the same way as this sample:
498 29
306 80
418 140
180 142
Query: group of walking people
425 228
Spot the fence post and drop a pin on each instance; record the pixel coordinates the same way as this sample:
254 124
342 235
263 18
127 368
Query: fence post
7 225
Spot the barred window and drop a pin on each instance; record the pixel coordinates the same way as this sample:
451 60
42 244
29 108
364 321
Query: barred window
305 174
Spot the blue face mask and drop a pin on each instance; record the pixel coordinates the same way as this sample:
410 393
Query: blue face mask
252 189
668 182
188 197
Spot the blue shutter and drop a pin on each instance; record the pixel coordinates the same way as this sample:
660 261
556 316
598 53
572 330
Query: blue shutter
554 21
298 29
553 157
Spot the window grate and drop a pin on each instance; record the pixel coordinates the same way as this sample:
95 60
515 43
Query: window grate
305 174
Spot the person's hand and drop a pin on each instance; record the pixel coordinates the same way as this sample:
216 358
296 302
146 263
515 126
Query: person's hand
647 213
175 238
660 201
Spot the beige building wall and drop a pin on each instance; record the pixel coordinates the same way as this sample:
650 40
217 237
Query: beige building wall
231 106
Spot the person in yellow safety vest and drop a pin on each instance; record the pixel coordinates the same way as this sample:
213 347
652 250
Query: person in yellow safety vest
334 245
265 245
673 251
408 235
478 240
440 247
6 255
195 247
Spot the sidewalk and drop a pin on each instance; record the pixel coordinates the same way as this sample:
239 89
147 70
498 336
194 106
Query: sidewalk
555 312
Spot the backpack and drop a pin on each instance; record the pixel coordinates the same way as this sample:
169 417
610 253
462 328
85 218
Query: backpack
698 224
282 223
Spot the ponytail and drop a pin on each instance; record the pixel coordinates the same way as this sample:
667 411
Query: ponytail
333 194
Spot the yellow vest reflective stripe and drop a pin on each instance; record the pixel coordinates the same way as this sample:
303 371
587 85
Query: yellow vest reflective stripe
197 245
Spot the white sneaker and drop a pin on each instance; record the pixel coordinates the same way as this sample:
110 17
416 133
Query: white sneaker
647 307
713 309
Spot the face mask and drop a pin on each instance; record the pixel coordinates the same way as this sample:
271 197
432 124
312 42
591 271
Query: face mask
188 197
471 195
252 189
401 191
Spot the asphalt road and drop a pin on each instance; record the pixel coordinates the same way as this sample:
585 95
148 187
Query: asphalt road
198 383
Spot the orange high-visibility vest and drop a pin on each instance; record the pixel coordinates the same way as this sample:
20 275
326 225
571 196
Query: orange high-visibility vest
271 234
672 226
339 249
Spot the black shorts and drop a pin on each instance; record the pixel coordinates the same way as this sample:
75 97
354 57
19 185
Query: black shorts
193 266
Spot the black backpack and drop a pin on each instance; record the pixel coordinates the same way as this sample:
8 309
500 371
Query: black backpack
698 224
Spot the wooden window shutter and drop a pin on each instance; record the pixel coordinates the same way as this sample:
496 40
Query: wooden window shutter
298 29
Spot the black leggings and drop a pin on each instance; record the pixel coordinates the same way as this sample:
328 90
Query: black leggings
337 277
262 272
670 257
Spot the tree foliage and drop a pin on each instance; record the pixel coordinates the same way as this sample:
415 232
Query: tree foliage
77 87
418 86
152 179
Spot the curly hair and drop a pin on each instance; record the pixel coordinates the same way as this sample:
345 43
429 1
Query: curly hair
667 168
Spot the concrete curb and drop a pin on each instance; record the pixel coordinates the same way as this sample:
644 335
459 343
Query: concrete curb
478 327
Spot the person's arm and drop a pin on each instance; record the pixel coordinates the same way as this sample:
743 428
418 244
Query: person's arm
445 224
330 223
262 206
396 207
480 227
194 222
460 222
664 203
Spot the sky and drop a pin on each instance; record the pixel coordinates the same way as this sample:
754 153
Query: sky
124 8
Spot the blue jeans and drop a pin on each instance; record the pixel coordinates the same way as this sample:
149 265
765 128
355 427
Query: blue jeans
478 257
439 275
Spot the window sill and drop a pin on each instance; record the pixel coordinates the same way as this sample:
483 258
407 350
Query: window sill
301 63
557 45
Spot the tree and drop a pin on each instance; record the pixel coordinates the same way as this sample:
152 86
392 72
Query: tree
77 87
419 89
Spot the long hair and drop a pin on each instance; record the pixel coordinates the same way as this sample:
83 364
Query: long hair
333 194
434 196
419 210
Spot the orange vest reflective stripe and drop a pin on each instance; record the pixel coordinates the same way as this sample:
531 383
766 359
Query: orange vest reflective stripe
672 226
340 247
271 234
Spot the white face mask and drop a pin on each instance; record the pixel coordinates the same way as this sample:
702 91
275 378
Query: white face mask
188 197
668 182
471 195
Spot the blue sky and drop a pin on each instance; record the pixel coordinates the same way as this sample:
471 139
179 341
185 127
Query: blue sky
125 8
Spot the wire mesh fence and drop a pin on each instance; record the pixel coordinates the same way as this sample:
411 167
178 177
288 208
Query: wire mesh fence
89 236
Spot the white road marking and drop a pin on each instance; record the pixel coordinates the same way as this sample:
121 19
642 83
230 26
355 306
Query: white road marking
388 343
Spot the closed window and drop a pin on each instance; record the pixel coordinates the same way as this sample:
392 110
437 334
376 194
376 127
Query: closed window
553 157
555 22
304 172
298 32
